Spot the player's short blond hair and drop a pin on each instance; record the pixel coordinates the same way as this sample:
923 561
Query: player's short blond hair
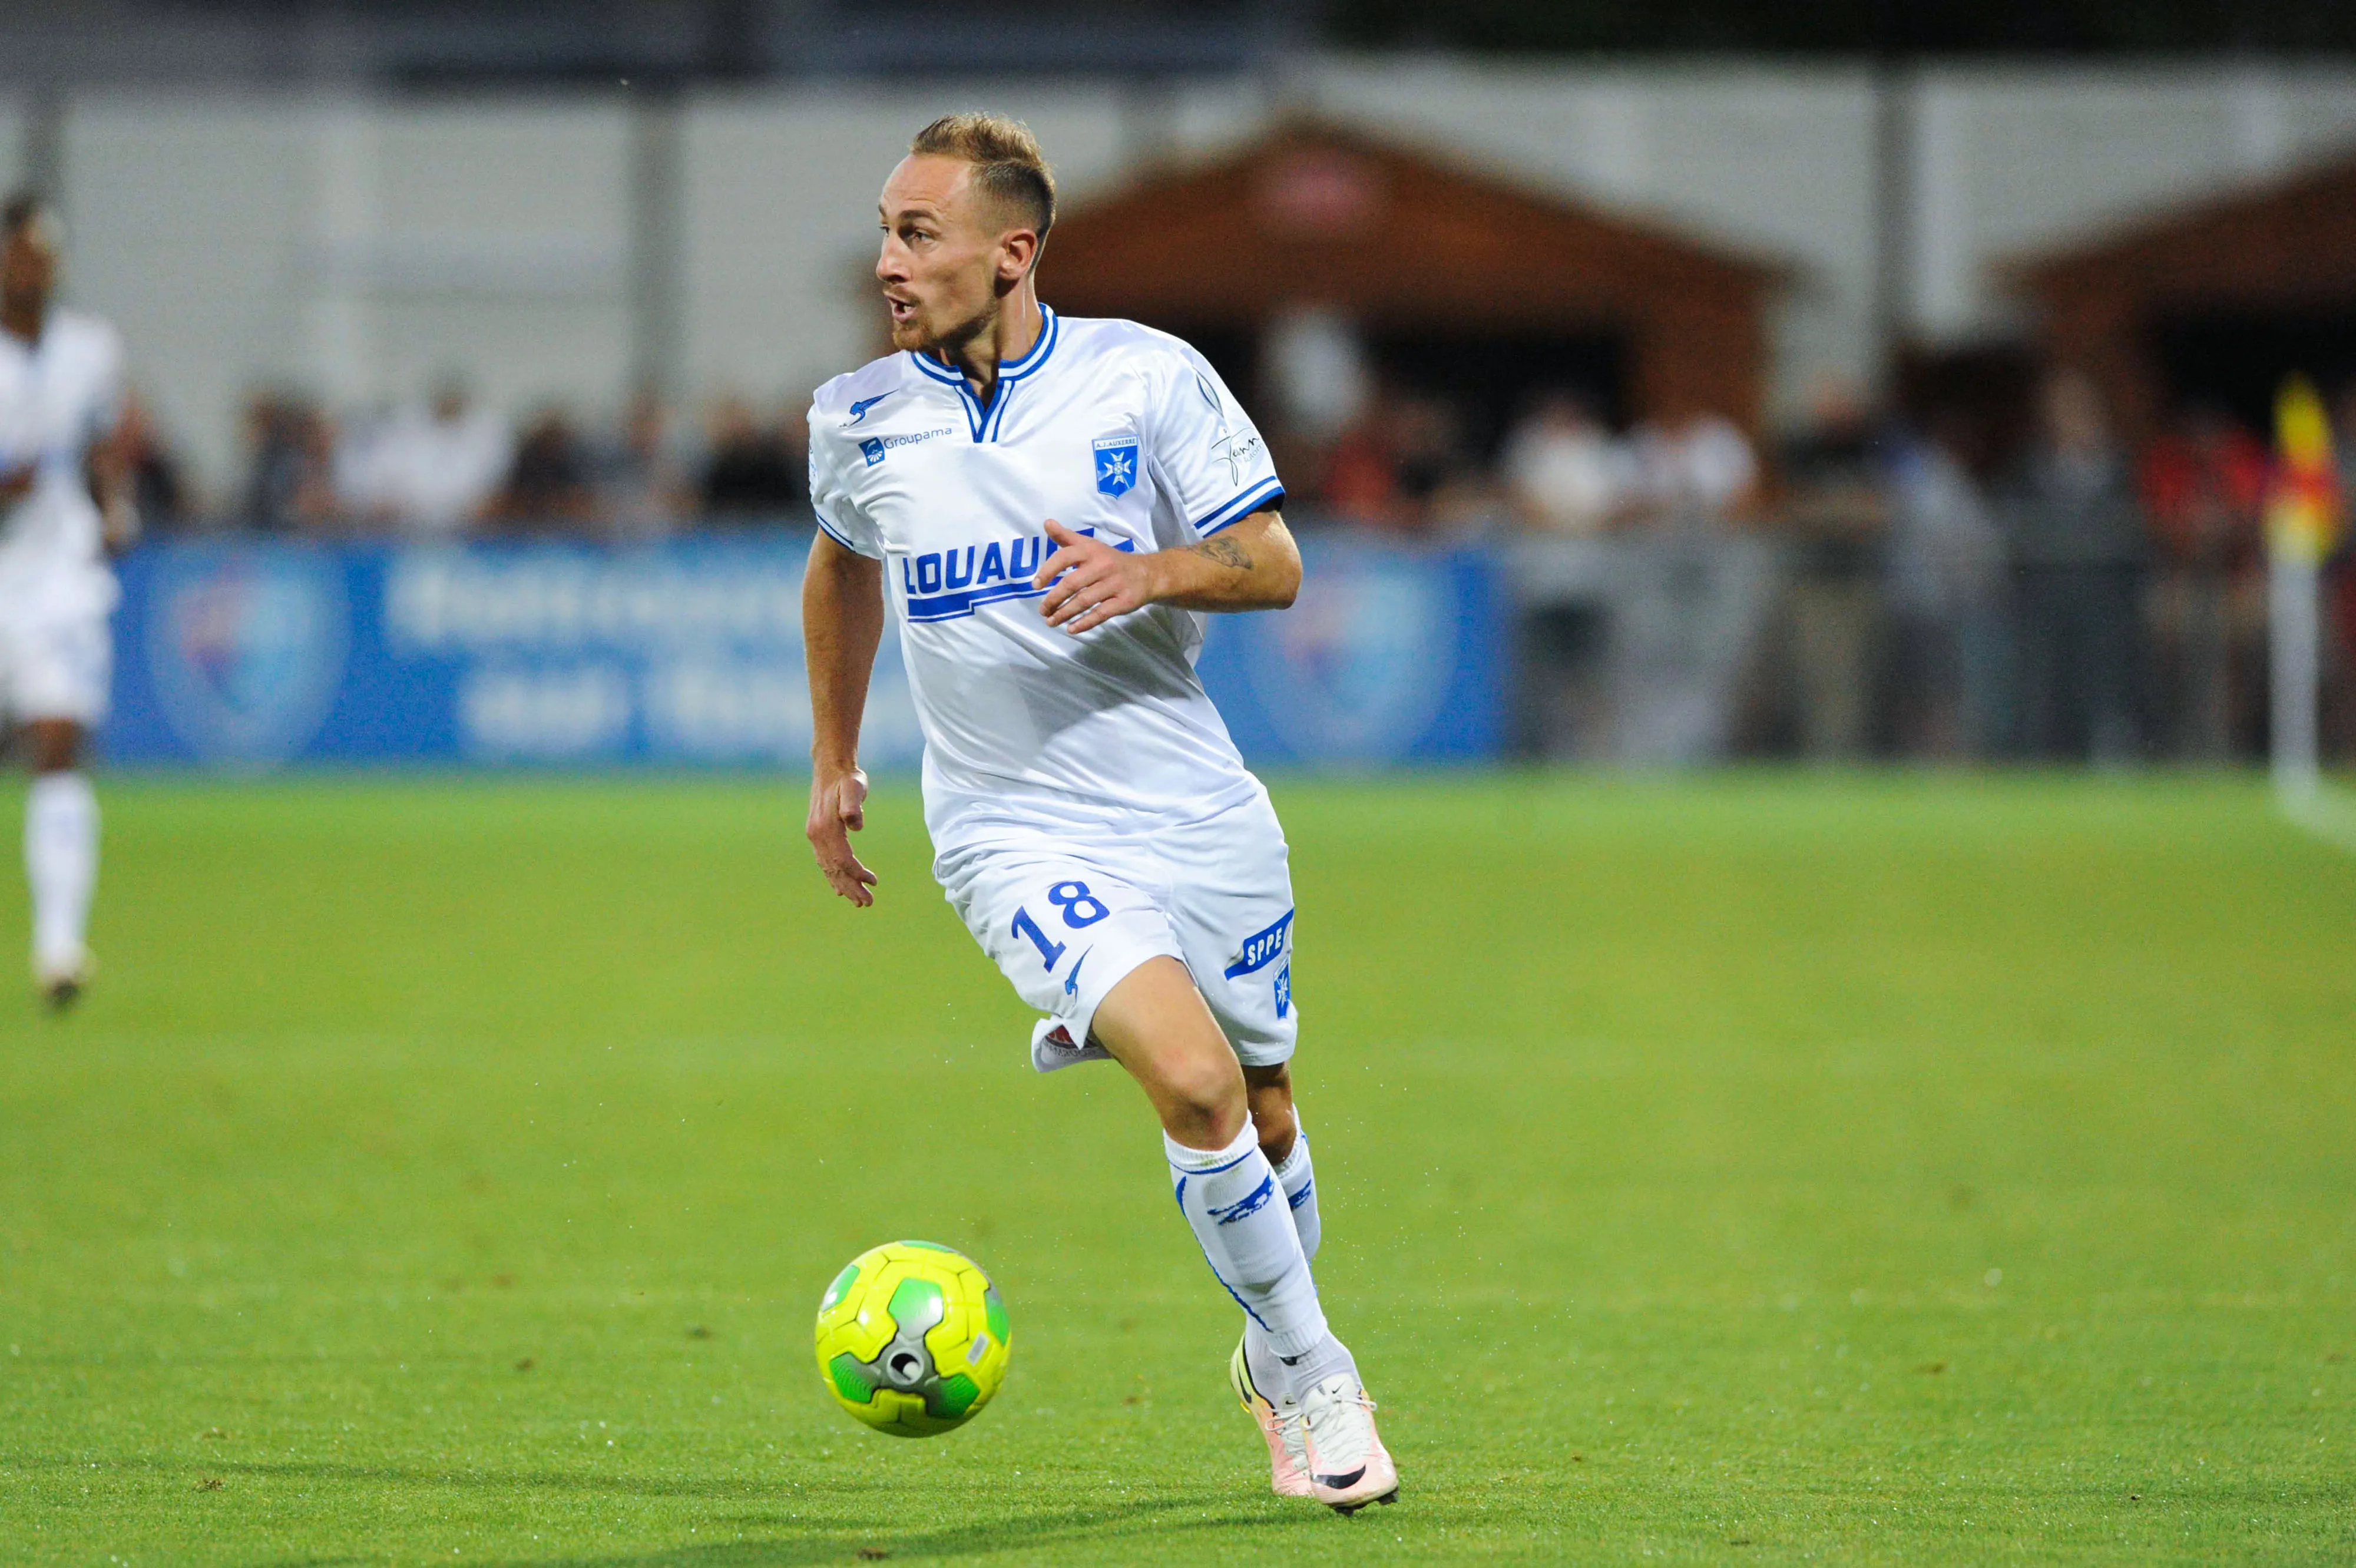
1007 165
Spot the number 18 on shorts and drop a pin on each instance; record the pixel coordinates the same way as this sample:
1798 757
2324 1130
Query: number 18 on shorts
1066 924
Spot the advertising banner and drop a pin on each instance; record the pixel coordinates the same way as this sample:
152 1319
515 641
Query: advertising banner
1389 656
253 656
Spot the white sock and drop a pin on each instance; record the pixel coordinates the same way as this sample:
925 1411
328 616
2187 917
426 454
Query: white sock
1272 1374
61 863
1229 1196
1300 1185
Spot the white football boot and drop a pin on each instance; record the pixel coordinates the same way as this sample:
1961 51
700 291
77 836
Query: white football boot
1348 1465
1280 1424
1052 1047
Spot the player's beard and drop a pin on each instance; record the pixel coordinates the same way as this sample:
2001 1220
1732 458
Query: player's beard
917 334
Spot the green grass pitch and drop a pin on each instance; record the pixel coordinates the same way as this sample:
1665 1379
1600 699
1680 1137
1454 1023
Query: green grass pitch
1765 1168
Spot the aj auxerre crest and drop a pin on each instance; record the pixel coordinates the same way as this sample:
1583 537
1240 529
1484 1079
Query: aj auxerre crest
1116 464
246 647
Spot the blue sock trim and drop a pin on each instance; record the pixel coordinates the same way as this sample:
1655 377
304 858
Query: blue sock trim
1180 1194
1247 1206
1239 1301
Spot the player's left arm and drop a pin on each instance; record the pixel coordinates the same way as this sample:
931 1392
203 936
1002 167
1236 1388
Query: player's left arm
108 464
1249 565
106 461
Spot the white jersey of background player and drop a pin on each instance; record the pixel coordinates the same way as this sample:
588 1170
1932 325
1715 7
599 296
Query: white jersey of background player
1049 506
62 508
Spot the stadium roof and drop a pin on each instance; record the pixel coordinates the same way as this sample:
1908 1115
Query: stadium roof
2292 239
1319 215
2284 250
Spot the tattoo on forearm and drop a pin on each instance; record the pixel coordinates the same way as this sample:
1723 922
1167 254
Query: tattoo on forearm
1226 553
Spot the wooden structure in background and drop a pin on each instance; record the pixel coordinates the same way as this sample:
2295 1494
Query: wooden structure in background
2286 249
1316 215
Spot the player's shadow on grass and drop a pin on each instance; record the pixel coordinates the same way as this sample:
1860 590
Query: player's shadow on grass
774 1538
832 1543
747 1489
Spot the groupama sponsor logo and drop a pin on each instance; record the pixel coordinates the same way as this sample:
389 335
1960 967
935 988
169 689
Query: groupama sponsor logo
875 448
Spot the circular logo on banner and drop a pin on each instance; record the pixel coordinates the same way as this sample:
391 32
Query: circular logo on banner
1362 660
248 648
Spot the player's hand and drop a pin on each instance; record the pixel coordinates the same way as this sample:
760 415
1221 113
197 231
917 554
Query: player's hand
16 483
1089 582
838 810
118 529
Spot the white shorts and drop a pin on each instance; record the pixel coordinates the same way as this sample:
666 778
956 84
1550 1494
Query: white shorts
55 667
1067 915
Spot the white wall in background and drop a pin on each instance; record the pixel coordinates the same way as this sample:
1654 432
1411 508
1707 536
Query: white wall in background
351 247
12 141
186 225
499 243
779 214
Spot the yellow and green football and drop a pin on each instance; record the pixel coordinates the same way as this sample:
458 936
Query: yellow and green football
912 1338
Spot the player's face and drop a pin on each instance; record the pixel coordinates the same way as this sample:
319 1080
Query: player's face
29 265
945 262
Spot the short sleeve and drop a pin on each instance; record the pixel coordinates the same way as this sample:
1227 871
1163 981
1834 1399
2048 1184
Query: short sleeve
831 494
1209 455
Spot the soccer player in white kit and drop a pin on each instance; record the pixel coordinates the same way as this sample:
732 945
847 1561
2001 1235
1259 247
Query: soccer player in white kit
1049 506
63 502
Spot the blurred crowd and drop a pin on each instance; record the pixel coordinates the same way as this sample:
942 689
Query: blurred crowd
1952 586
1953 582
448 469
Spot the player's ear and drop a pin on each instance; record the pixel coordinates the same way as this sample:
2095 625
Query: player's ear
1018 251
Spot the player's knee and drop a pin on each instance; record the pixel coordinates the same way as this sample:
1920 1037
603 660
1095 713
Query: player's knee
1205 1094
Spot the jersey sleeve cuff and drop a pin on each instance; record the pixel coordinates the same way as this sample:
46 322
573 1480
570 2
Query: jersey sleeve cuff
839 536
1266 493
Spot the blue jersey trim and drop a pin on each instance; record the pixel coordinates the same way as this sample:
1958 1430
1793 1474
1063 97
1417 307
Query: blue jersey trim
1043 345
936 368
983 424
835 534
1267 492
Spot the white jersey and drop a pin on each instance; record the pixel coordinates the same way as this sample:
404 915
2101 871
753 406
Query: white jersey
1110 428
56 397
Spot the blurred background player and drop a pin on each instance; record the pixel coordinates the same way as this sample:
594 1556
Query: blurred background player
63 505
1091 821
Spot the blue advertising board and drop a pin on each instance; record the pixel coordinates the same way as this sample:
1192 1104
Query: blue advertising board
1389 656
249 656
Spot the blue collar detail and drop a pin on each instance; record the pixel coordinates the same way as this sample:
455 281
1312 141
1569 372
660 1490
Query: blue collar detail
984 422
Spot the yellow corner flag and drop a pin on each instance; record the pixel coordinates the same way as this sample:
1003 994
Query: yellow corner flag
2303 511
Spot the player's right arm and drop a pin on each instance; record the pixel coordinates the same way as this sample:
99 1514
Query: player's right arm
842 623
